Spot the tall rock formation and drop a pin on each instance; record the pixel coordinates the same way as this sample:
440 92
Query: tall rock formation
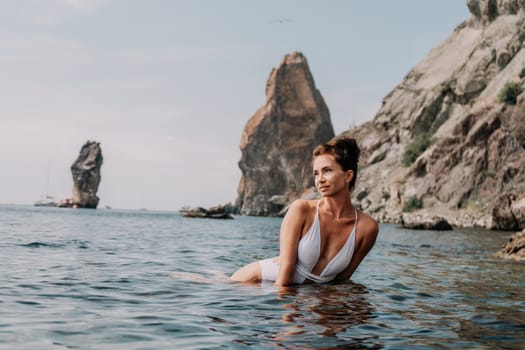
277 142
460 103
86 175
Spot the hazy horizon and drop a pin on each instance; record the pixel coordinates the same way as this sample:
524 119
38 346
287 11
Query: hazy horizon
166 87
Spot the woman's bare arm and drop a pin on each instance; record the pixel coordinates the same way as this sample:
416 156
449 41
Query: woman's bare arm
369 229
291 231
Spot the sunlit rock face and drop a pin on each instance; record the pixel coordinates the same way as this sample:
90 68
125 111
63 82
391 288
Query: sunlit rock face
477 140
86 175
278 140
490 9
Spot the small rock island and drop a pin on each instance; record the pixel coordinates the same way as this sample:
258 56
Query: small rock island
86 176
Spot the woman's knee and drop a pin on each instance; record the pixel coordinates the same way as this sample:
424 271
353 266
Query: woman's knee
250 273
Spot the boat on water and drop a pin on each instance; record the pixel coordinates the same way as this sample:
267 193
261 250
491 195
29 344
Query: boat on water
47 201
65 203
50 201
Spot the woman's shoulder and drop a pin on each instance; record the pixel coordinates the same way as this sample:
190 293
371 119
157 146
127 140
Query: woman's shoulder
368 225
303 206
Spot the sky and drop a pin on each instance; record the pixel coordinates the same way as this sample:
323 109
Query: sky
167 86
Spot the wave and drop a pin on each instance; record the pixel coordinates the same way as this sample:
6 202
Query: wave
54 245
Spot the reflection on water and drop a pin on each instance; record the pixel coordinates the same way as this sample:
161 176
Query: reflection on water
327 309
299 317
120 279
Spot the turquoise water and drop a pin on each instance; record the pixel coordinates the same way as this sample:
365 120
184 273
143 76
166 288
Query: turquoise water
108 279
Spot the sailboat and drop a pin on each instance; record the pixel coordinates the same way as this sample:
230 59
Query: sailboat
47 200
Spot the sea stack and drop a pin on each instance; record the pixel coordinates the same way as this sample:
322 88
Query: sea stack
278 140
86 175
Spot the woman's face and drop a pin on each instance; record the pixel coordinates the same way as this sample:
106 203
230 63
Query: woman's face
329 176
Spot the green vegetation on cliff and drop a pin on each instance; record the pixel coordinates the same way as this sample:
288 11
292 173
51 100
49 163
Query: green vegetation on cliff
509 93
412 203
414 149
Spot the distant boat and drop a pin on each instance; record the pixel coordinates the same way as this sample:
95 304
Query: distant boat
47 201
65 203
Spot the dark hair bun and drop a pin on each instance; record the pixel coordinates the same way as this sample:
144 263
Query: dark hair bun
348 148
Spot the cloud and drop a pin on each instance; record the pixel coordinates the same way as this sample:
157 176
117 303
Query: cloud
35 43
81 5
48 12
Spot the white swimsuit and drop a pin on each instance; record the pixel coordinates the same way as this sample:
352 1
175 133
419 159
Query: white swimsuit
308 253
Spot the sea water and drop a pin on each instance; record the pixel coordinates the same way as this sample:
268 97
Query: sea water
112 279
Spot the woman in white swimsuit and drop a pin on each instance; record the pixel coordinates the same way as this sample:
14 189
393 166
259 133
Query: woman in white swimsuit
321 240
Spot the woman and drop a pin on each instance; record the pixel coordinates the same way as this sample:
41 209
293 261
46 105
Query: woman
321 240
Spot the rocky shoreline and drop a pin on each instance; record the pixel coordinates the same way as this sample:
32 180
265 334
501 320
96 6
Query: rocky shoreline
217 212
514 249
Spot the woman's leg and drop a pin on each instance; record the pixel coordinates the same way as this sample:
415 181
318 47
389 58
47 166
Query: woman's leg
250 273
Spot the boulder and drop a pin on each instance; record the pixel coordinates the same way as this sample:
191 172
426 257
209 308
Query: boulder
502 216
278 140
424 222
518 208
514 248
509 212
217 212
86 176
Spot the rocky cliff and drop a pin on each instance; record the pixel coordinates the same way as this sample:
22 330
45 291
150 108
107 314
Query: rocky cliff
449 140
86 175
277 142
